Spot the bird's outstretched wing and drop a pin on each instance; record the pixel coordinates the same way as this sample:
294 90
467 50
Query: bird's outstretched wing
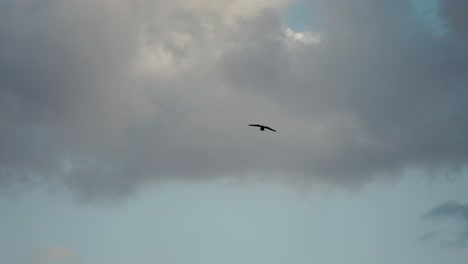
255 125
270 129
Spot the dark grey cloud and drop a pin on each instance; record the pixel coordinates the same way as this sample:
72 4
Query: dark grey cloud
450 210
453 12
106 96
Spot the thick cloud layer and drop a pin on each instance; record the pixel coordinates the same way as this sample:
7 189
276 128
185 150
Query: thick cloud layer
105 96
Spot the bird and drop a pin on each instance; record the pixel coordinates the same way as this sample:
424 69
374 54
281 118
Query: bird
262 127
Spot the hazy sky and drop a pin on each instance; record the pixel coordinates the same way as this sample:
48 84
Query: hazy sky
124 137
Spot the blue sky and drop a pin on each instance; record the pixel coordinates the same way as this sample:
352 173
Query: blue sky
428 11
300 16
221 221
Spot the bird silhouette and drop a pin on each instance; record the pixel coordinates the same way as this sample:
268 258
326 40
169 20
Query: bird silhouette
262 127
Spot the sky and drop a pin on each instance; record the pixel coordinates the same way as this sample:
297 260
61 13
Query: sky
124 137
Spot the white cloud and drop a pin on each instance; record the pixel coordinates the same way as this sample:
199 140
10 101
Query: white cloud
305 37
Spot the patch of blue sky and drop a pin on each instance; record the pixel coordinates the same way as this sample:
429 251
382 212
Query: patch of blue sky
428 11
300 16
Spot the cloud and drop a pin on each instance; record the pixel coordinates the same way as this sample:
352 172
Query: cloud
450 210
57 255
304 37
106 96
452 11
